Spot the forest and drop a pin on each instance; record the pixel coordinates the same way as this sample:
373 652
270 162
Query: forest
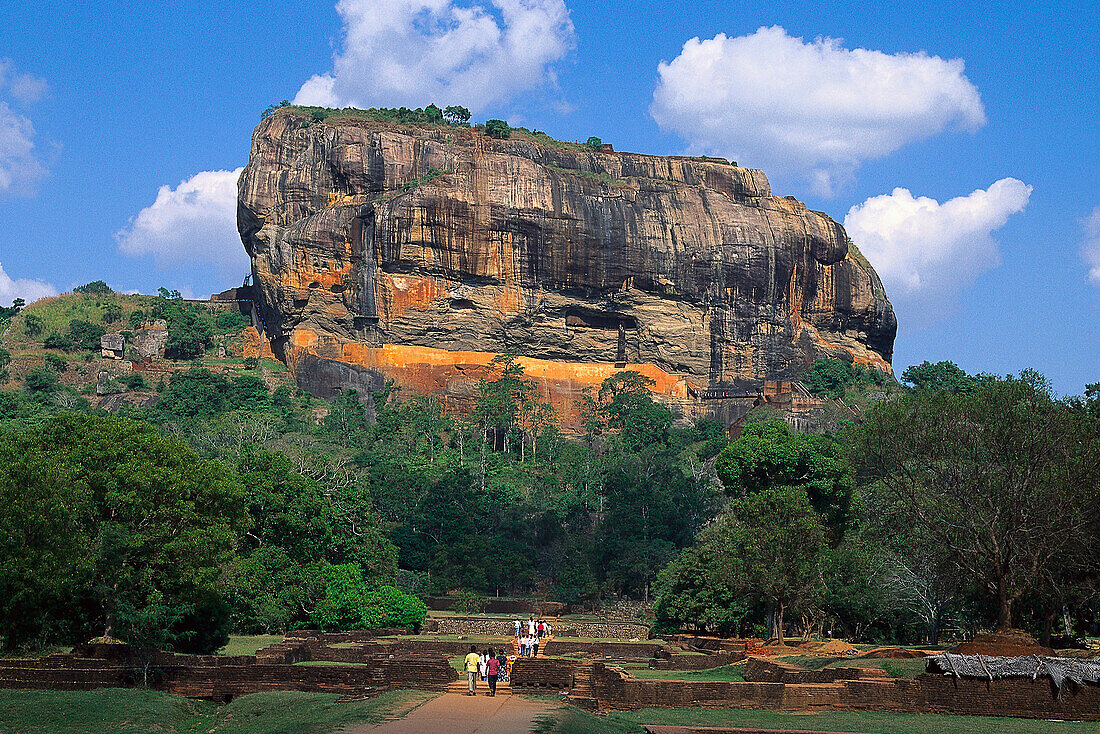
955 503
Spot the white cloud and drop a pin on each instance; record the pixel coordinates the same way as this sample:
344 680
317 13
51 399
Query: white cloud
1091 248
194 222
20 165
926 252
815 110
412 52
25 288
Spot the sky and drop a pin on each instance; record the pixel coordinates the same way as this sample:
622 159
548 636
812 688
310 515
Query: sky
957 142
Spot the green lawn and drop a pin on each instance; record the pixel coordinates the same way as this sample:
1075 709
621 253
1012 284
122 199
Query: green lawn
249 644
575 721
896 668
129 711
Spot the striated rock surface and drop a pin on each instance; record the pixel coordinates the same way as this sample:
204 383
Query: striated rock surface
418 253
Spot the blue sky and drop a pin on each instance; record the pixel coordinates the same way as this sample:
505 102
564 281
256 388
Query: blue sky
958 140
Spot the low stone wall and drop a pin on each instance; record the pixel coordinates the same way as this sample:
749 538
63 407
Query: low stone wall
223 677
617 650
1017 697
542 673
763 670
695 662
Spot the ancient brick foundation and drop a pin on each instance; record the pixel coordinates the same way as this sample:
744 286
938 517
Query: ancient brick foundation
929 693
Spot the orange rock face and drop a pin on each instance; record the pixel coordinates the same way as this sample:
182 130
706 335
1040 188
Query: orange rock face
417 254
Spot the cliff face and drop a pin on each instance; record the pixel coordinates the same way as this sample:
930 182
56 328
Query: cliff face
384 252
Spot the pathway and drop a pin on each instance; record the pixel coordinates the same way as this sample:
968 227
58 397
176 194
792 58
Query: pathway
454 713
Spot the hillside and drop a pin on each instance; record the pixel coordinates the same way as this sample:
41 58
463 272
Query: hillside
55 347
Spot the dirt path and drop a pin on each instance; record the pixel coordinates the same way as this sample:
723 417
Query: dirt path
454 713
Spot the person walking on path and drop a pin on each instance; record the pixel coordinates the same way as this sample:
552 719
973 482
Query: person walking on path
493 668
531 627
535 647
471 665
519 627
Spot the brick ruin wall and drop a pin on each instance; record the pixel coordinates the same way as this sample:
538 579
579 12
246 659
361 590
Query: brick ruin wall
498 626
224 677
928 693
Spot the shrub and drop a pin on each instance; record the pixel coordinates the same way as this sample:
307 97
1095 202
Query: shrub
135 381
594 143
111 314
498 129
55 362
137 318
251 363
96 287
32 325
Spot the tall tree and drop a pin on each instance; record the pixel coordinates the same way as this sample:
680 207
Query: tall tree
1004 482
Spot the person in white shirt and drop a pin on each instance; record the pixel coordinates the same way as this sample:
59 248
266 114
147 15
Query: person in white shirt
531 629
519 627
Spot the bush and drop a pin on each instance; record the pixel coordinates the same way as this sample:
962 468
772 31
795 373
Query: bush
96 287
134 381
55 362
32 325
594 143
251 363
834 377
498 129
111 314
59 341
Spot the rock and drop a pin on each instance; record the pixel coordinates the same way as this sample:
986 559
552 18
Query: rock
112 346
150 342
417 254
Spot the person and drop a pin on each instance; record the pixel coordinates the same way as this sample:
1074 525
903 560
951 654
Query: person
481 668
492 668
531 627
470 664
548 632
541 628
535 647
524 646
519 628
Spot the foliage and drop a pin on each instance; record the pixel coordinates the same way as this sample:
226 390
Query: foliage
349 603
768 455
81 334
107 524
624 405
1000 482
96 287
190 328
939 376
497 129
456 115
6 312
470 602
834 377
594 144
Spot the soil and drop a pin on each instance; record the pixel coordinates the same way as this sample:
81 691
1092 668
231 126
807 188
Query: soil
1004 643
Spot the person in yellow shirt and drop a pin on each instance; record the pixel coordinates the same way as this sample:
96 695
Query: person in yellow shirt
471 665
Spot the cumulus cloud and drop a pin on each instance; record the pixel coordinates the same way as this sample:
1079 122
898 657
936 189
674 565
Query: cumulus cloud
815 110
926 252
411 52
27 289
194 222
1091 248
20 163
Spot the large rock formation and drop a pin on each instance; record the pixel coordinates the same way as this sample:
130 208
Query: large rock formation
418 253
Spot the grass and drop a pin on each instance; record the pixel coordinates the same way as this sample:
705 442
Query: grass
249 644
895 668
129 711
575 721
721 673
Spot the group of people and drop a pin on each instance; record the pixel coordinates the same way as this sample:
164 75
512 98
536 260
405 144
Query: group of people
488 665
536 630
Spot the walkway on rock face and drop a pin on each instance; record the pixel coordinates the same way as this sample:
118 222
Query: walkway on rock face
454 713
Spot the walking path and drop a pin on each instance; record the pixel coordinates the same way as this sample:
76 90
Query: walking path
454 713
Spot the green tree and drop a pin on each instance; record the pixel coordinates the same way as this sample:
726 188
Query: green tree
456 115
771 545
105 523
433 113
624 405
1002 482
768 455
834 377
498 129
939 376
96 287
193 394
32 325
594 144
